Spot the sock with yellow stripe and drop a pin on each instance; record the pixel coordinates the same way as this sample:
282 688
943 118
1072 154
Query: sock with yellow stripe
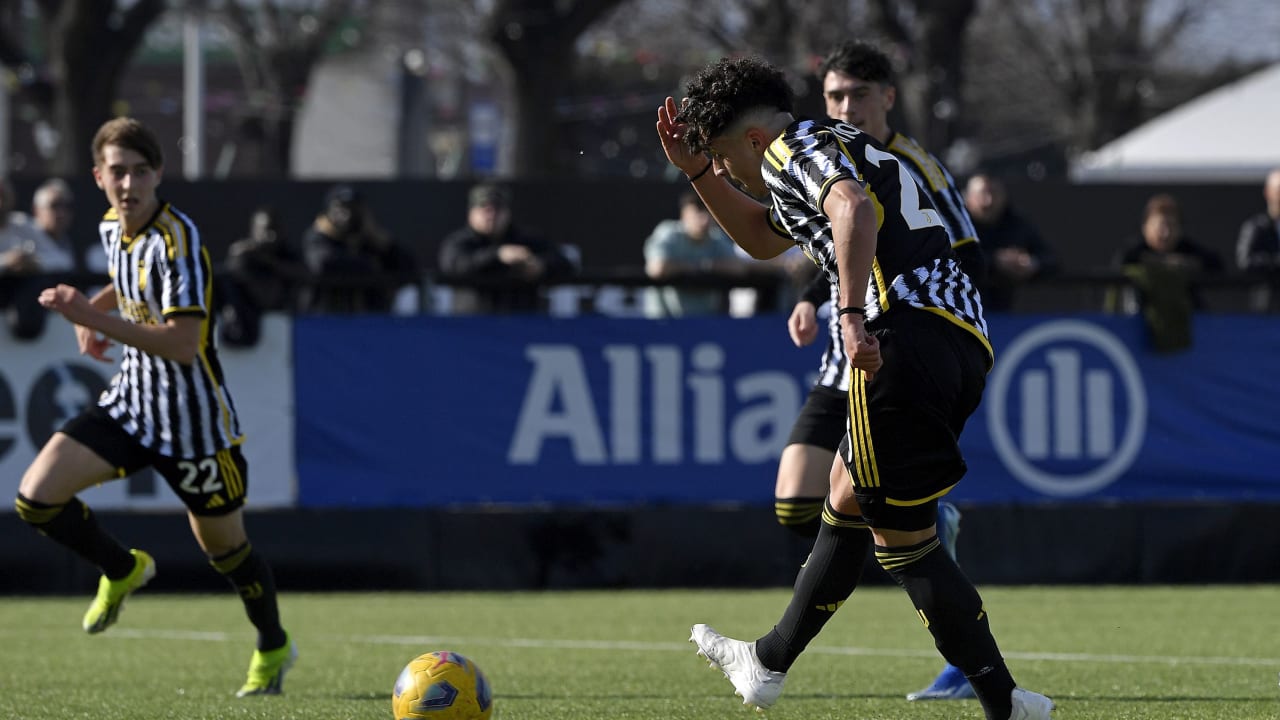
249 573
73 525
800 515
824 583
952 610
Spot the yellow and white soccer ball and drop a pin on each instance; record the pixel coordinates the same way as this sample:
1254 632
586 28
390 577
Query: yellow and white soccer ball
442 685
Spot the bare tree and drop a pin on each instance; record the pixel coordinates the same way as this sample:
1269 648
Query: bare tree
88 45
278 45
536 38
793 34
929 38
1098 55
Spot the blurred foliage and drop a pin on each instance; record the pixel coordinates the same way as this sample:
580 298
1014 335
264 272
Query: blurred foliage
572 84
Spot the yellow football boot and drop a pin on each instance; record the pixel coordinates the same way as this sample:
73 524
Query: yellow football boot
267 669
105 608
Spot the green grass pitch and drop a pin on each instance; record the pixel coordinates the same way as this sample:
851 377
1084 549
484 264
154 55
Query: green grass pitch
1101 652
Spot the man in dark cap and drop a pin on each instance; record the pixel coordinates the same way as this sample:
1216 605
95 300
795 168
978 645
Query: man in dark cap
506 262
357 266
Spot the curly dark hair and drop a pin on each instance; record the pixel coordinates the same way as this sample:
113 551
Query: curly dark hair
860 60
722 93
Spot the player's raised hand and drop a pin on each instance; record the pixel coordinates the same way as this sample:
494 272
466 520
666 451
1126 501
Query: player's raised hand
671 133
802 326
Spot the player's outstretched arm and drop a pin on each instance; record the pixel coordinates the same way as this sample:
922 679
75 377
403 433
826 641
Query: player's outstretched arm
744 219
178 338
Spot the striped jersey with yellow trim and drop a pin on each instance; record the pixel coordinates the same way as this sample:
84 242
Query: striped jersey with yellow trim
933 178
914 264
177 410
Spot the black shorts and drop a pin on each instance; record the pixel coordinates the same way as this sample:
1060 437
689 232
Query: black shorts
901 448
208 486
822 420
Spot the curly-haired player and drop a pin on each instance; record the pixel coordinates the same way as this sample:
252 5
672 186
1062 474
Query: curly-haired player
858 88
918 353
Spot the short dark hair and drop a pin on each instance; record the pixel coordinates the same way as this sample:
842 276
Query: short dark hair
689 197
130 134
1162 204
488 194
858 59
726 90
343 194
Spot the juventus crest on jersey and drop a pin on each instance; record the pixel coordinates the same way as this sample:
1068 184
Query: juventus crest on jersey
914 264
175 409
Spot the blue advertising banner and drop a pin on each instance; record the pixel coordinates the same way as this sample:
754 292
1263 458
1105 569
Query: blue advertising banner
441 410
430 411
1078 407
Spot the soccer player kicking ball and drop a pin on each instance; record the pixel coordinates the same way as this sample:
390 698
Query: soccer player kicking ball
168 407
916 341
858 88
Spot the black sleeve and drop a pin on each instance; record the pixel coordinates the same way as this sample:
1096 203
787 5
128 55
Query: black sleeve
327 256
1253 249
973 261
555 263
1039 249
463 253
818 291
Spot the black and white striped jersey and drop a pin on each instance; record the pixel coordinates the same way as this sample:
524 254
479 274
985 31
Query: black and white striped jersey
177 410
933 178
914 263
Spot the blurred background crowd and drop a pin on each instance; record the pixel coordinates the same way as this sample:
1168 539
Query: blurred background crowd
462 156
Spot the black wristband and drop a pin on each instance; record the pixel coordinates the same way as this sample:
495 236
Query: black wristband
851 310
703 171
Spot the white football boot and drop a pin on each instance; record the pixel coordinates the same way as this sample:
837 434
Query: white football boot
1030 706
752 681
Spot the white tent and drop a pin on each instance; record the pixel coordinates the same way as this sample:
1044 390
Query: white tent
1229 134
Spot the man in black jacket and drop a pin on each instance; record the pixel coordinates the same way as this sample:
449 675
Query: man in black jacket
1016 253
1258 249
356 266
507 262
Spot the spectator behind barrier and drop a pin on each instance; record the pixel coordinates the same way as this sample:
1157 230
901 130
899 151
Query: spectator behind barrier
1162 266
507 261
263 273
1015 252
355 266
26 252
1258 248
53 212
691 246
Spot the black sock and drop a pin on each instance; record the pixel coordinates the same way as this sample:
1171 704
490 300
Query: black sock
249 573
952 610
824 583
800 515
73 525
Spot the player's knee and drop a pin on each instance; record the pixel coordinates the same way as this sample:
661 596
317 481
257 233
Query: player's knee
801 515
227 562
36 513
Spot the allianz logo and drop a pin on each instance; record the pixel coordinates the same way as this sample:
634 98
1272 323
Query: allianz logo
661 404
1066 408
